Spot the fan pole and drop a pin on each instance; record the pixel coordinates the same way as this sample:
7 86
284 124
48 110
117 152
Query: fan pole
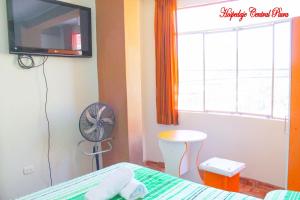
95 149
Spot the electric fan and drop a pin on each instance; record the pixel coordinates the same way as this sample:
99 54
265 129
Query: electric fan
96 124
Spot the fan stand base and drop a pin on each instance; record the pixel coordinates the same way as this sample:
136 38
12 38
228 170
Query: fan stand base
96 151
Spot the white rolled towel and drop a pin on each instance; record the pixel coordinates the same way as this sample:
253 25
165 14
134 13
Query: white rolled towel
111 185
134 190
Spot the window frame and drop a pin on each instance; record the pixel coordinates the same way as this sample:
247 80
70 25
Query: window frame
236 30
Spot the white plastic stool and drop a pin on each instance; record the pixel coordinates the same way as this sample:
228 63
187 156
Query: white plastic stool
222 173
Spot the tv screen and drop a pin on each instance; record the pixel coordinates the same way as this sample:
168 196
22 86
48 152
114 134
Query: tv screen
49 27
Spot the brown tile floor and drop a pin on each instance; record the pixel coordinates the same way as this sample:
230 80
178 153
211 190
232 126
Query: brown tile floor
247 186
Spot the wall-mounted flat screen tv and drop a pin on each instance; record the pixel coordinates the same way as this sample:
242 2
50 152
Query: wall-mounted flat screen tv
49 27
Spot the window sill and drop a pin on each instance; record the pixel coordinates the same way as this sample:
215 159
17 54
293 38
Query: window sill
243 115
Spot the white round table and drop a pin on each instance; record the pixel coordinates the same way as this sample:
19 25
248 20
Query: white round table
180 150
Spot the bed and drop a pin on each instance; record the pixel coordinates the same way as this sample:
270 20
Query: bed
283 194
160 185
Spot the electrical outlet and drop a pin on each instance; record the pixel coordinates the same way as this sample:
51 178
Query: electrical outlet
28 170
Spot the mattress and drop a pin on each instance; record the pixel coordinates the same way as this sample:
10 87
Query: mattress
160 185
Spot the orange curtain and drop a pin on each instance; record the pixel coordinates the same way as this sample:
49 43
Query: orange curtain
294 149
166 61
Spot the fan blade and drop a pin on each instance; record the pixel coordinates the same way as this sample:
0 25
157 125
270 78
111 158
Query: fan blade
89 117
89 131
100 113
101 132
108 121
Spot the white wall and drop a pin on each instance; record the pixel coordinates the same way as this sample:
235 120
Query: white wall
262 144
23 133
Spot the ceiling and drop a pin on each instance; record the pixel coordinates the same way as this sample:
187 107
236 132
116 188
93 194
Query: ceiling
192 3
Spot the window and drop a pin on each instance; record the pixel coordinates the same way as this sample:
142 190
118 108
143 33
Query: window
76 41
191 72
255 70
242 70
220 71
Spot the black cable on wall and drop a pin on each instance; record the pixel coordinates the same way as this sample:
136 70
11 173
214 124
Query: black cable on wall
27 62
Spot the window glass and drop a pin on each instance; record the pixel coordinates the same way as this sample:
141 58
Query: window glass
190 53
220 71
255 50
282 41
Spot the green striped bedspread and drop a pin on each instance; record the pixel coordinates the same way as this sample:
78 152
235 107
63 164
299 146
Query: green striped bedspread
283 195
160 185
